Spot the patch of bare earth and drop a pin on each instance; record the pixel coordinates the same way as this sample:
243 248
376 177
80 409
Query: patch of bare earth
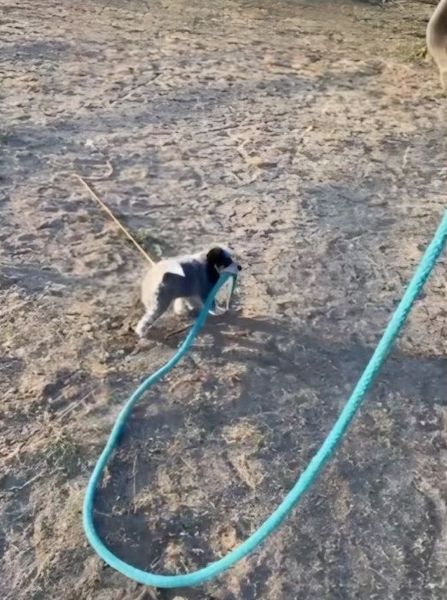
311 138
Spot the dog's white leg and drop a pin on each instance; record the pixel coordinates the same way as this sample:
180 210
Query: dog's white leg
152 314
144 323
180 306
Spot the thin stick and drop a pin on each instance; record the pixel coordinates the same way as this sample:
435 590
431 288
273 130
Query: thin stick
17 488
134 477
181 330
112 216
73 405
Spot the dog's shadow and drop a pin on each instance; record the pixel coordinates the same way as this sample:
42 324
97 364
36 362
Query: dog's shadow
170 329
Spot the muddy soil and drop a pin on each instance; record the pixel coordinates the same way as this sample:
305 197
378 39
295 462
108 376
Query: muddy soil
309 136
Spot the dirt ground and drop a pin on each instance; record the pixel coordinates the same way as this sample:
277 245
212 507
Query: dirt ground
310 137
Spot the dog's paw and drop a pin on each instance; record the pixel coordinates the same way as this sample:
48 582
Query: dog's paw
217 312
180 307
140 330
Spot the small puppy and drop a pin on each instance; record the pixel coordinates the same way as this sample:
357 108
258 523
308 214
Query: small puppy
184 280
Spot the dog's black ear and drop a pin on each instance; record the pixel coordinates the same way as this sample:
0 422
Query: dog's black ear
216 256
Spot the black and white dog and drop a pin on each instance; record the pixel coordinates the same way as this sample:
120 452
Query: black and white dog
185 281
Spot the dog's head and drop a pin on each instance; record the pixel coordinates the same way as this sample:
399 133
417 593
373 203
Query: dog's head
218 259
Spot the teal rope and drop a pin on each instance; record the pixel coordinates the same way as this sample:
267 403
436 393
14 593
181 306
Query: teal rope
313 469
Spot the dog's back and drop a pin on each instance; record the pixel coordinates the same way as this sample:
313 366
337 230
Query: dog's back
182 277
